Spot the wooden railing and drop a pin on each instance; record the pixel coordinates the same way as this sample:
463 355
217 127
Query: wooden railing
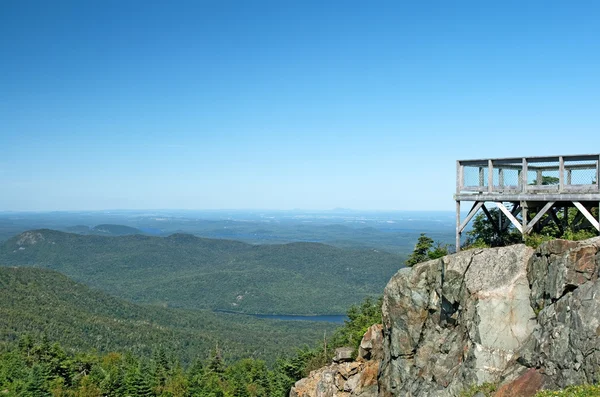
553 174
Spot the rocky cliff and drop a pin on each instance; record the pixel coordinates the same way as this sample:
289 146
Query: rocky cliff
519 318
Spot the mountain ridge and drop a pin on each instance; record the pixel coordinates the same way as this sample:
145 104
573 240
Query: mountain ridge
183 270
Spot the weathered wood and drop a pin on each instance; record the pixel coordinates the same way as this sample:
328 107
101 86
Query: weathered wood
490 176
476 206
481 176
541 196
598 178
546 198
539 216
458 231
459 177
510 217
593 221
524 176
561 174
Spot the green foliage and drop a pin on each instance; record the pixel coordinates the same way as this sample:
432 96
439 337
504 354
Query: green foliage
196 273
114 374
360 318
426 250
42 302
36 366
487 389
572 391
534 240
485 234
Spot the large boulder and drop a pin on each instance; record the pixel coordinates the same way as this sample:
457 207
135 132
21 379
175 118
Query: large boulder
521 319
455 321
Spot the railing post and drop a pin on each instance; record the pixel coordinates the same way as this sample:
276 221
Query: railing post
490 176
524 176
481 179
501 177
561 174
598 178
459 177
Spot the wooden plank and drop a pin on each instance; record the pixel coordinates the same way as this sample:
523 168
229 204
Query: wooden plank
524 217
539 216
490 176
510 216
481 180
593 221
543 196
459 177
534 159
598 180
524 176
476 206
561 174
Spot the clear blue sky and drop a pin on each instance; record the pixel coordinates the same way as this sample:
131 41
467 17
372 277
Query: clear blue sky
284 104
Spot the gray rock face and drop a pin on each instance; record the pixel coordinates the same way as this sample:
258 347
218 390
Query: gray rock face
524 320
455 321
519 318
564 347
343 354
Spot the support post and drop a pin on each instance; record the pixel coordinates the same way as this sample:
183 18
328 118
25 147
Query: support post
458 231
524 218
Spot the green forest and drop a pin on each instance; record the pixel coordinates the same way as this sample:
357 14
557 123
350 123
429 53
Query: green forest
60 338
43 302
197 273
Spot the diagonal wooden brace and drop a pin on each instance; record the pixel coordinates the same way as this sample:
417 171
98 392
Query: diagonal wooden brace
593 221
510 217
476 206
539 215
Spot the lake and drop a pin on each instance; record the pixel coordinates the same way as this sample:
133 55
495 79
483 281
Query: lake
329 318
338 319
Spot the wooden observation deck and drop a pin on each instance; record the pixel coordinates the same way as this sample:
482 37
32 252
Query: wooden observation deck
543 185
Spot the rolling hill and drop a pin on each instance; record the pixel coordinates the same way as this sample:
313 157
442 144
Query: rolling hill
197 273
39 301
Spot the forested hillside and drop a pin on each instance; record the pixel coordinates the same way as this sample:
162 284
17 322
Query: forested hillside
38 302
197 273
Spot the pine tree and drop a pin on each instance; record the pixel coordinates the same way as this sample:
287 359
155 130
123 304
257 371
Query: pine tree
36 383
